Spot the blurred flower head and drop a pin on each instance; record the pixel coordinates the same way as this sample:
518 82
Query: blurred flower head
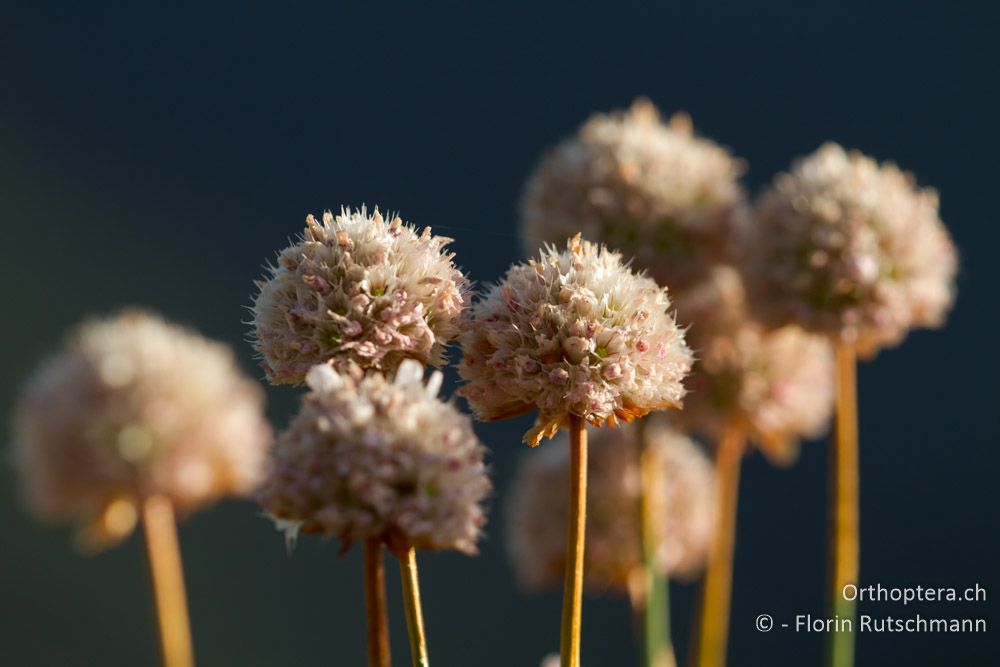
681 500
374 458
776 385
360 293
652 190
135 407
573 332
849 248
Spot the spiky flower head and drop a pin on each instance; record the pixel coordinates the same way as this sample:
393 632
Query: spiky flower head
648 188
680 497
374 458
775 385
360 293
135 407
852 249
573 332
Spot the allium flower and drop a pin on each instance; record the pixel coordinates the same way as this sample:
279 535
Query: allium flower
681 499
776 385
573 332
360 293
136 407
852 249
650 189
377 459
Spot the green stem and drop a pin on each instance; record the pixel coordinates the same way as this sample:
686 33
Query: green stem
657 647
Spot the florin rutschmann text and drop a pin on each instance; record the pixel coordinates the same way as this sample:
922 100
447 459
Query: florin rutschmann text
877 594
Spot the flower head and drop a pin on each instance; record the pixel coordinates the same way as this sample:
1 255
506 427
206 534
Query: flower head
680 498
136 407
573 333
776 385
373 458
360 293
650 189
852 249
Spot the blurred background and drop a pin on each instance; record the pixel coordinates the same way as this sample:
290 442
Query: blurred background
159 156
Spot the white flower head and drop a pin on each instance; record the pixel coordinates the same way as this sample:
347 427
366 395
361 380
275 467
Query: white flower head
849 248
135 407
681 498
776 385
648 188
358 292
573 332
374 458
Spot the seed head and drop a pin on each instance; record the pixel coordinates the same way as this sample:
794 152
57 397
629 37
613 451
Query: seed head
574 332
360 293
373 458
135 407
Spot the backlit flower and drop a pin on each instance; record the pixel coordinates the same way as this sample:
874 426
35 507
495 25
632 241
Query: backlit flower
652 190
136 407
776 385
360 293
373 458
680 498
852 249
574 332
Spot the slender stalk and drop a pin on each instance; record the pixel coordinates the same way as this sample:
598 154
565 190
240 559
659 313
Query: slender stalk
657 647
573 589
412 605
167 577
375 606
844 507
717 588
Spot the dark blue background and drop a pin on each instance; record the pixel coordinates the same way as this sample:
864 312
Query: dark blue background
160 156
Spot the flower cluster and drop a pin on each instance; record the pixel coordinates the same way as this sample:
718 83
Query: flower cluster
680 498
776 385
573 333
851 249
650 189
374 458
136 407
360 293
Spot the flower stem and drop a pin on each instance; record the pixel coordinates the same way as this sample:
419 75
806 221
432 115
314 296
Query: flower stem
844 507
167 577
717 588
375 605
573 589
414 612
657 647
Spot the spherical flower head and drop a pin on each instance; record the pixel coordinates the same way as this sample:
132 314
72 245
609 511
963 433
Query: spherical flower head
680 498
776 385
135 407
574 332
359 293
379 459
851 249
648 188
